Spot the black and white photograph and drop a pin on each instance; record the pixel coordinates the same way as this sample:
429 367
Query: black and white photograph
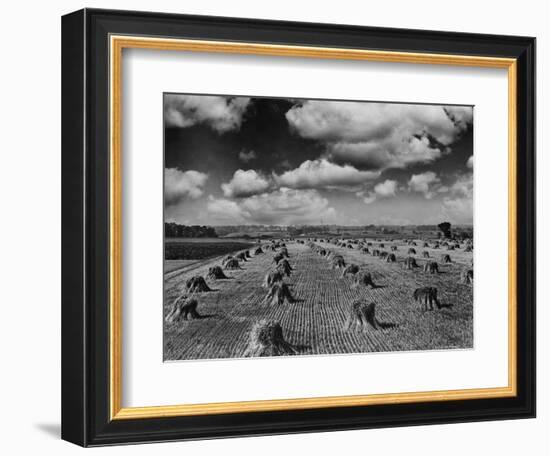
316 227
257 226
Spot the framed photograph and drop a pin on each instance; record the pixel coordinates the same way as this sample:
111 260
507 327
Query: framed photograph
273 227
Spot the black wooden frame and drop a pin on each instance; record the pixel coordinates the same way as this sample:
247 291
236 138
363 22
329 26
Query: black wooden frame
85 224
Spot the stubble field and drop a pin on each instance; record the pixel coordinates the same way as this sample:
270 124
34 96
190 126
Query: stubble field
316 322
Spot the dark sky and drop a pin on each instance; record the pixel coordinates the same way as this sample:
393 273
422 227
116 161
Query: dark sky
264 130
239 160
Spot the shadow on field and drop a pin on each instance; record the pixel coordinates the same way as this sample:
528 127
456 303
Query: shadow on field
207 316
445 306
301 348
386 325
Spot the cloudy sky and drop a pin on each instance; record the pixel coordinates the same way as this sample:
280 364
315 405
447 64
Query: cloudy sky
239 160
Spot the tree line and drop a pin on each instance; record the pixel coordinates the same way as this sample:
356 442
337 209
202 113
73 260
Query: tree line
174 230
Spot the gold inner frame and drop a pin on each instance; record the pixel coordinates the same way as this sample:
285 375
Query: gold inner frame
117 44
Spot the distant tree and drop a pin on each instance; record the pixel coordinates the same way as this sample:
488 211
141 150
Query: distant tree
445 228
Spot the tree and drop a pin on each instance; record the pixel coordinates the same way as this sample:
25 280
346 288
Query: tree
445 228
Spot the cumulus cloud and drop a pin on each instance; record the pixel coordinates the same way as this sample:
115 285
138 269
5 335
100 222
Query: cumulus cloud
384 189
394 152
222 114
226 210
284 206
462 116
179 185
369 198
311 174
426 183
245 183
458 206
247 156
321 173
463 186
380 135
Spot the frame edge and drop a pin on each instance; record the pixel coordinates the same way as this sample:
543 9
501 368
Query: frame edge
73 303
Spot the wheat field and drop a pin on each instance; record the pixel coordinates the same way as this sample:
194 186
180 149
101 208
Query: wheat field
316 321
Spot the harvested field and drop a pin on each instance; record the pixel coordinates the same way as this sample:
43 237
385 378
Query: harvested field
315 320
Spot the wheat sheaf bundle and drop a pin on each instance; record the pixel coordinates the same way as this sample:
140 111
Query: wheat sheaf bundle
361 315
279 293
364 279
184 308
266 339
196 284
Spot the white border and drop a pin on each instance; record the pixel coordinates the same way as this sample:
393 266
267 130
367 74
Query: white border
148 381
